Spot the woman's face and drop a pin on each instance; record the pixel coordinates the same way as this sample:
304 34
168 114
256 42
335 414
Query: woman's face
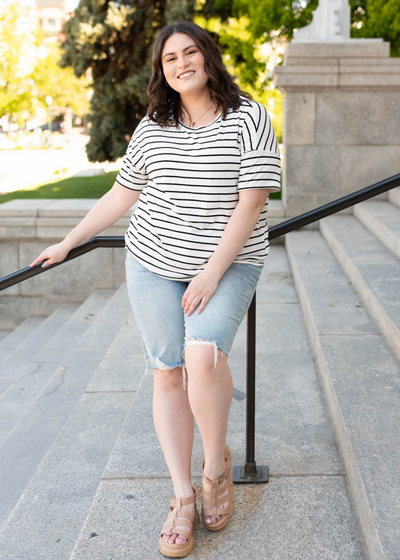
180 54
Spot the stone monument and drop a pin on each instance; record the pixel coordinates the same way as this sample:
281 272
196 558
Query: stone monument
341 122
331 22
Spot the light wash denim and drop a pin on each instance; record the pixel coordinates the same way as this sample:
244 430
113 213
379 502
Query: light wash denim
165 327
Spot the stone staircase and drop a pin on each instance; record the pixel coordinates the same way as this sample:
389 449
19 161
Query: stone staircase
82 475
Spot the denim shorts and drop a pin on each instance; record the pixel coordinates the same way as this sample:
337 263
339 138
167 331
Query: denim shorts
166 329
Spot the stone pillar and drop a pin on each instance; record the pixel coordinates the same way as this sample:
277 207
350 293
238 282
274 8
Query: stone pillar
341 123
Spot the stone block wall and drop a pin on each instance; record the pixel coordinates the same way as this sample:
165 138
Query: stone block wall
341 120
27 227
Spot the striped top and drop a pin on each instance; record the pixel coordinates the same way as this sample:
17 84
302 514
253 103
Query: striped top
190 179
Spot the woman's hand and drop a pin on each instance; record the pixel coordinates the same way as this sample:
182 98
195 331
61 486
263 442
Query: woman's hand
53 254
200 289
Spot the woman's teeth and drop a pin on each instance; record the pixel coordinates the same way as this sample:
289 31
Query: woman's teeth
186 75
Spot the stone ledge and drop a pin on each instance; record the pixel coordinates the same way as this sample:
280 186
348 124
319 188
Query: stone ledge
335 61
64 207
371 48
339 69
336 76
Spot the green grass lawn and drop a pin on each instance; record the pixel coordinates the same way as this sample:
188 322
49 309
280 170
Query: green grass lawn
76 187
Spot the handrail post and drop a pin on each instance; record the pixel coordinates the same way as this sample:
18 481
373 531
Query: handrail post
250 472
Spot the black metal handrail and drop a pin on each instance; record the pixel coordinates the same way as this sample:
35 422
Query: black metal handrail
274 232
250 472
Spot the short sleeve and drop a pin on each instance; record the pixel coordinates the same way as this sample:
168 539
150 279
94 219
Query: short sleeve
260 162
133 173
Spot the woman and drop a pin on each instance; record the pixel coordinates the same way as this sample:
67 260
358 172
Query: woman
201 164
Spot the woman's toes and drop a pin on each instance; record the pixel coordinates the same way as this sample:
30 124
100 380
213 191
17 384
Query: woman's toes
180 539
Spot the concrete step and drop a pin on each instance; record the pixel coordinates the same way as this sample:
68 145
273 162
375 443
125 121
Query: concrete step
15 401
11 339
383 220
64 484
304 505
373 271
30 439
22 355
394 196
360 380
19 334
3 335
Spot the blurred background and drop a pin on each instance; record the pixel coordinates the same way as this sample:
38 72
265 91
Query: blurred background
73 77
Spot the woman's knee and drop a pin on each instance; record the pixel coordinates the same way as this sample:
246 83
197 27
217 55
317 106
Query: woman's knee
168 379
203 359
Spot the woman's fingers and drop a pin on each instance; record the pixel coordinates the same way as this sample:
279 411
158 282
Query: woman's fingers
191 304
37 260
203 303
53 254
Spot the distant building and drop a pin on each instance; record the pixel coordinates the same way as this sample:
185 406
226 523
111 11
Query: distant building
51 15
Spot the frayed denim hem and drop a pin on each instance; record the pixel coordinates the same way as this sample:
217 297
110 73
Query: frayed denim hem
188 341
162 366
194 341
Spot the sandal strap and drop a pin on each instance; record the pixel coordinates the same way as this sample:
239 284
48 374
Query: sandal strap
178 517
179 502
171 530
217 495
216 501
215 511
181 514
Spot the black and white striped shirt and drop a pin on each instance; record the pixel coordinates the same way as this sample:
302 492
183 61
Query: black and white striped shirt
190 180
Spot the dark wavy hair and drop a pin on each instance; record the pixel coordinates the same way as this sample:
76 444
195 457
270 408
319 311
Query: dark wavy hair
165 101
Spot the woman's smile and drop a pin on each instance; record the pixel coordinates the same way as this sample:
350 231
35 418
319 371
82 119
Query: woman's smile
186 75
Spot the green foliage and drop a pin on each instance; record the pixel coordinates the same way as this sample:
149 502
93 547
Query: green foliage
377 18
61 83
276 20
17 40
29 70
115 42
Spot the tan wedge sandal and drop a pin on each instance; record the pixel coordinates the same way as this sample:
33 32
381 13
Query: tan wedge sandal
184 520
213 499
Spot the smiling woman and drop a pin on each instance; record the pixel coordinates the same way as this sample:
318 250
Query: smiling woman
204 159
201 164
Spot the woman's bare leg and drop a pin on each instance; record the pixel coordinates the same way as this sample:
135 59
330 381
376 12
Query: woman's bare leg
174 424
210 396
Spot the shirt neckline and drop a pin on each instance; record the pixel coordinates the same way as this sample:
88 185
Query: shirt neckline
199 127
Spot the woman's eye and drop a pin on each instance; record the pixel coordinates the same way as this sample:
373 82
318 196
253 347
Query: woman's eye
190 52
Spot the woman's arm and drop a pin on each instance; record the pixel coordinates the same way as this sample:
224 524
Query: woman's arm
107 210
237 232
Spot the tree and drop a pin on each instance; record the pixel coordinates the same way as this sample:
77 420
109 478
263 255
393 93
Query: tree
377 18
17 42
115 41
29 70
269 20
67 91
